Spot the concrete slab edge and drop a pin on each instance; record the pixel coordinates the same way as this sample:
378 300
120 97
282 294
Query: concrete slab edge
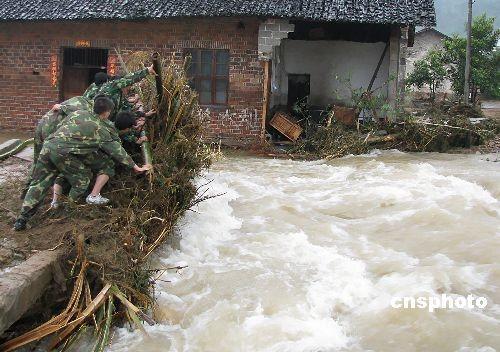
21 287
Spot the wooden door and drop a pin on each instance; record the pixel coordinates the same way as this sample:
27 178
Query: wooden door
74 81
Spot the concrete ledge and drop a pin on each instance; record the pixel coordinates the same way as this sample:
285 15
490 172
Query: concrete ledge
22 286
9 145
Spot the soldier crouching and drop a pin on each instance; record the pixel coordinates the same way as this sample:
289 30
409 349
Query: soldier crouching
64 152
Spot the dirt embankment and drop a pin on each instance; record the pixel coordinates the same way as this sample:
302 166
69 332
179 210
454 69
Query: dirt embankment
48 229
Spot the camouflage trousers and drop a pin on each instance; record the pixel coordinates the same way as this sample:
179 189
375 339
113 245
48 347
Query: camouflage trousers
37 148
98 162
75 169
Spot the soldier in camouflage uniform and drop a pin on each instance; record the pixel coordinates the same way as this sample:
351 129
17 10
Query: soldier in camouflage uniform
99 79
64 153
49 123
52 120
113 89
100 163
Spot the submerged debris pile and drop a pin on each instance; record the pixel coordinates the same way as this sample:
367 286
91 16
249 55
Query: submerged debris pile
110 256
330 142
437 129
443 127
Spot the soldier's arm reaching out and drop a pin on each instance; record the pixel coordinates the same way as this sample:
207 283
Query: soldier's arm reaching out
115 150
132 78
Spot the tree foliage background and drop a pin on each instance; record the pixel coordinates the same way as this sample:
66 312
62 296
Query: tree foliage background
430 71
485 60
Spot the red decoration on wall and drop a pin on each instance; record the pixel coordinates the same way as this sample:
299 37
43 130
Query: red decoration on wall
54 72
82 43
112 65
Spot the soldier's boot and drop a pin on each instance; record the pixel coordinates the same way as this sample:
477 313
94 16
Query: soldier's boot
20 223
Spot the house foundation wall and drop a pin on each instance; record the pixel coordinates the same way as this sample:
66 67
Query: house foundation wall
31 65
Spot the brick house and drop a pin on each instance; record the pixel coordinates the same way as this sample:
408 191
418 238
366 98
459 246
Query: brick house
248 55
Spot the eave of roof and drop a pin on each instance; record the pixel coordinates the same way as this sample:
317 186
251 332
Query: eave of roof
414 12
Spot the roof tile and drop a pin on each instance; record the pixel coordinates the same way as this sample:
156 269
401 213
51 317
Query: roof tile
416 12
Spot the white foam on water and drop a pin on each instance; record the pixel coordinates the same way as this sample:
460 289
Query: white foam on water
305 256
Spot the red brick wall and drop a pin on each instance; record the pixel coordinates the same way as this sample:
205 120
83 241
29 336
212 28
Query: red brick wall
28 46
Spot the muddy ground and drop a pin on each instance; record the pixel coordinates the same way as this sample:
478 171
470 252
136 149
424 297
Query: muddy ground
55 231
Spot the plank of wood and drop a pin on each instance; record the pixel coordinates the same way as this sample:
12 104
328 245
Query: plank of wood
265 103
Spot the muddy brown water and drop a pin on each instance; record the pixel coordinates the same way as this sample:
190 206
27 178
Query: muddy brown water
305 256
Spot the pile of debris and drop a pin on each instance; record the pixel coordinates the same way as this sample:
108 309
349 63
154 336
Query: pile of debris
109 248
443 127
438 128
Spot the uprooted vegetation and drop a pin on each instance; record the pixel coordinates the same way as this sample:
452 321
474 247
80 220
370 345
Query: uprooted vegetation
438 128
109 248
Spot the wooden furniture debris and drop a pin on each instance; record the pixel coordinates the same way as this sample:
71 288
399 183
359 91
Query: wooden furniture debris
345 115
286 125
265 103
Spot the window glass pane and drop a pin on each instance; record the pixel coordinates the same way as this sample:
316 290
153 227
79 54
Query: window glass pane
206 56
205 85
222 57
221 91
222 70
205 97
206 68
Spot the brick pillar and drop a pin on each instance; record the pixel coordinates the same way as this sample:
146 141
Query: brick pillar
394 48
271 32
403 54
398 47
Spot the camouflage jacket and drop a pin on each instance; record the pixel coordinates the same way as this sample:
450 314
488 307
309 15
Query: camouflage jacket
113 89
91 91
130 136
113 131
52 120
123 104
83 133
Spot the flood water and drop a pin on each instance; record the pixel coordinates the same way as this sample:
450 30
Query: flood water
305 256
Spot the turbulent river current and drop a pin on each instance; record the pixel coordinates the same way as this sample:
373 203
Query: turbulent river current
306 256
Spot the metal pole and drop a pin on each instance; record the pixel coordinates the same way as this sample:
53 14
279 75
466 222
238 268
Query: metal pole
468 56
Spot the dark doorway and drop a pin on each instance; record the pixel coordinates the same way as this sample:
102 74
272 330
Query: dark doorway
299 88
79 68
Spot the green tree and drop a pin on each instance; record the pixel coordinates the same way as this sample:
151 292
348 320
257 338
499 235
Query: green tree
430 71
485 61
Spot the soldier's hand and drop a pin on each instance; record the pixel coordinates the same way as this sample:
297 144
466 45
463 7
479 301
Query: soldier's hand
133 99
150 112
140 170
151 70
56 107
139 123
142 140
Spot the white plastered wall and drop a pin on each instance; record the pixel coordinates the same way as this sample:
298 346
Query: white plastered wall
326 62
